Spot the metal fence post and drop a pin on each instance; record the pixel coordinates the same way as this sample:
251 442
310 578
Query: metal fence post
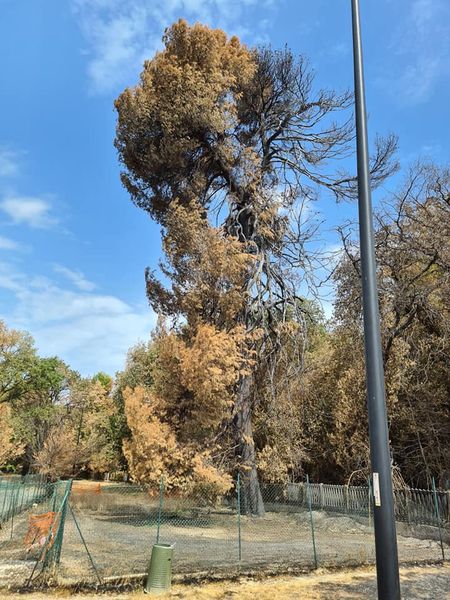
161 500
438 516
407 495
346 490
308 491
85 545
22 496
60 531
369 505
15 506
238 499
54 496
50 555
4 485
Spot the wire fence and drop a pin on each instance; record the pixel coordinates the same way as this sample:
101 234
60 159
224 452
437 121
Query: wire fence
19 493
32 528
96 532
413 506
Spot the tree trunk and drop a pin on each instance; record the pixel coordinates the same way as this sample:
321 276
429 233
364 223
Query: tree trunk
26 460
251 498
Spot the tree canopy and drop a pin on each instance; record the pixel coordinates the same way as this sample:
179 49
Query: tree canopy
52 420
222 145
225 147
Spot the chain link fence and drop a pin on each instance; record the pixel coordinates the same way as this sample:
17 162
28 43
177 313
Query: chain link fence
31 527
105 531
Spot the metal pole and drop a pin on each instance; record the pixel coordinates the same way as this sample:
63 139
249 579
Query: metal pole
161 500
15 507
59 536
238 487
308 491
384 518
5 487
438 516
84 544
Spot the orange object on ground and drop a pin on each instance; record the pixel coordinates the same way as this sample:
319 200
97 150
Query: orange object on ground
86 487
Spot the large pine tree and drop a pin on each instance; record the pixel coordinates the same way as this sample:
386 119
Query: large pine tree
222 145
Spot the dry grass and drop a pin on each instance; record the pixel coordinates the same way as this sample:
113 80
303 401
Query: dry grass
120 537
321 585
424 583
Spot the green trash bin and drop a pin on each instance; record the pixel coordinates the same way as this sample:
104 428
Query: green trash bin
160 569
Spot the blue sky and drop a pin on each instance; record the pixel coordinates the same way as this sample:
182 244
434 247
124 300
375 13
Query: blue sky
73 248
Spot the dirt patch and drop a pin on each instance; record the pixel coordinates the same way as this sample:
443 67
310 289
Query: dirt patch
417 583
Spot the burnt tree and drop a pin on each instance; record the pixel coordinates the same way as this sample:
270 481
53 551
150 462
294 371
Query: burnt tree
242 134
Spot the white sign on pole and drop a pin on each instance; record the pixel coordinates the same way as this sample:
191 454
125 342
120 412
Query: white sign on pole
376 489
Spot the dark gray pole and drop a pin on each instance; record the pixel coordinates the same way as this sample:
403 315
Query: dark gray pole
383 505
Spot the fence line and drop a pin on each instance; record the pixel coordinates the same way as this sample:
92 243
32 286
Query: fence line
102 530
413 506
18 494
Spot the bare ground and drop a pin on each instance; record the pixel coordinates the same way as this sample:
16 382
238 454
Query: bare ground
417 583
119 535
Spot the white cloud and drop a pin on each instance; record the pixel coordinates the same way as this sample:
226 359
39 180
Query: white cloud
121 35
8 244
421 50
76 277
90 331
9 165
28 210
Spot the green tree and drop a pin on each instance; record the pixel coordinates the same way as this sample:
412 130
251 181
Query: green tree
104 379
10 449
17 358
41 404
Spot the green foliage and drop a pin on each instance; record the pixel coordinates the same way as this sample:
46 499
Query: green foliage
17 359
52 419
104 379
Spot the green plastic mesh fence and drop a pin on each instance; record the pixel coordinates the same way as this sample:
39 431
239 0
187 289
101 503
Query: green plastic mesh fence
32 521
17 494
